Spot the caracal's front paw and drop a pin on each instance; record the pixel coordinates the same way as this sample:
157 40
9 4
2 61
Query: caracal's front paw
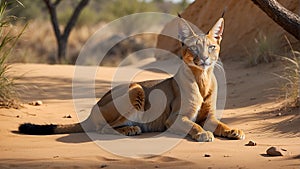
130 130
236 134
205 136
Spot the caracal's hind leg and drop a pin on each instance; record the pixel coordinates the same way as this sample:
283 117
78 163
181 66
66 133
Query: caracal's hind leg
137 96
129 130
125 130
135 104
137 99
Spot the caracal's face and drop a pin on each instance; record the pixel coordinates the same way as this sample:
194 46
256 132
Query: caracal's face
202 50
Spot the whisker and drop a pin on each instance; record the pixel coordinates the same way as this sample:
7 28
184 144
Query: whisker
219 65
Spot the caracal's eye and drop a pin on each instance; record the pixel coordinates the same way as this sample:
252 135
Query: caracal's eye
193 48
211 48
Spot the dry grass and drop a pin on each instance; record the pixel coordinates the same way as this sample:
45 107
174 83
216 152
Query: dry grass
291 78
8 41
264 48
39 46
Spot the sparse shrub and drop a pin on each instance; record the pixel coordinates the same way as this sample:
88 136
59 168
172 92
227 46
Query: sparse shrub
264 50
119 8
291 78
7 42
40 46
87 17
27 10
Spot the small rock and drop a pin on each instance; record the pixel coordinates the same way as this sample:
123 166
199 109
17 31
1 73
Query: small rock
275 151
67 116
36 103
17 116
279 114
156 166
251 143
103 165
207 155
252 98
226 156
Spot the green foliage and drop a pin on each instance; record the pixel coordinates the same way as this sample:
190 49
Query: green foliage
40 46
119 8
63 16
27 9
96 11
87 17
7 42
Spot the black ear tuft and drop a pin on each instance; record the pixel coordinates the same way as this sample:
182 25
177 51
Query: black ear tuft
225 9
178 14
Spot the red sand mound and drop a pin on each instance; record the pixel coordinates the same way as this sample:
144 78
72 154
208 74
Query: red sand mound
244 22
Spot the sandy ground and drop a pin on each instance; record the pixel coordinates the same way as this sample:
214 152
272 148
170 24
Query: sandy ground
249 106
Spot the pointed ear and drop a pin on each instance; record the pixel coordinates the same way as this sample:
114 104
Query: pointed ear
217 31
184 30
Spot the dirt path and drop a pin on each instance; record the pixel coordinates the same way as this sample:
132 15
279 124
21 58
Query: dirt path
247 108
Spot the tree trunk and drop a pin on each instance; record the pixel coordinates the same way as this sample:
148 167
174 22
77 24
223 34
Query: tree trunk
62 50
282 16
62 38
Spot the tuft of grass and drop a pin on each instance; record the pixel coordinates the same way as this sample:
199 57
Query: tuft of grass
8 94
264 50
291 77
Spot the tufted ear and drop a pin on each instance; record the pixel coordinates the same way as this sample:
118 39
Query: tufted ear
184 30
217 31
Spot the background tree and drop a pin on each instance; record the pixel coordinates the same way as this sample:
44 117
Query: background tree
62 36
282 16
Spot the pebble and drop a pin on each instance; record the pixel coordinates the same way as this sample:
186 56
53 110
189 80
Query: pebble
207 155
251 143
36 103
103 165
67 116
275 151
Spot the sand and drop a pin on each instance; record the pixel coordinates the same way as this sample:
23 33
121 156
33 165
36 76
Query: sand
248 107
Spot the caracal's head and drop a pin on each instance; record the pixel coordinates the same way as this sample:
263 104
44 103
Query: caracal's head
200 50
